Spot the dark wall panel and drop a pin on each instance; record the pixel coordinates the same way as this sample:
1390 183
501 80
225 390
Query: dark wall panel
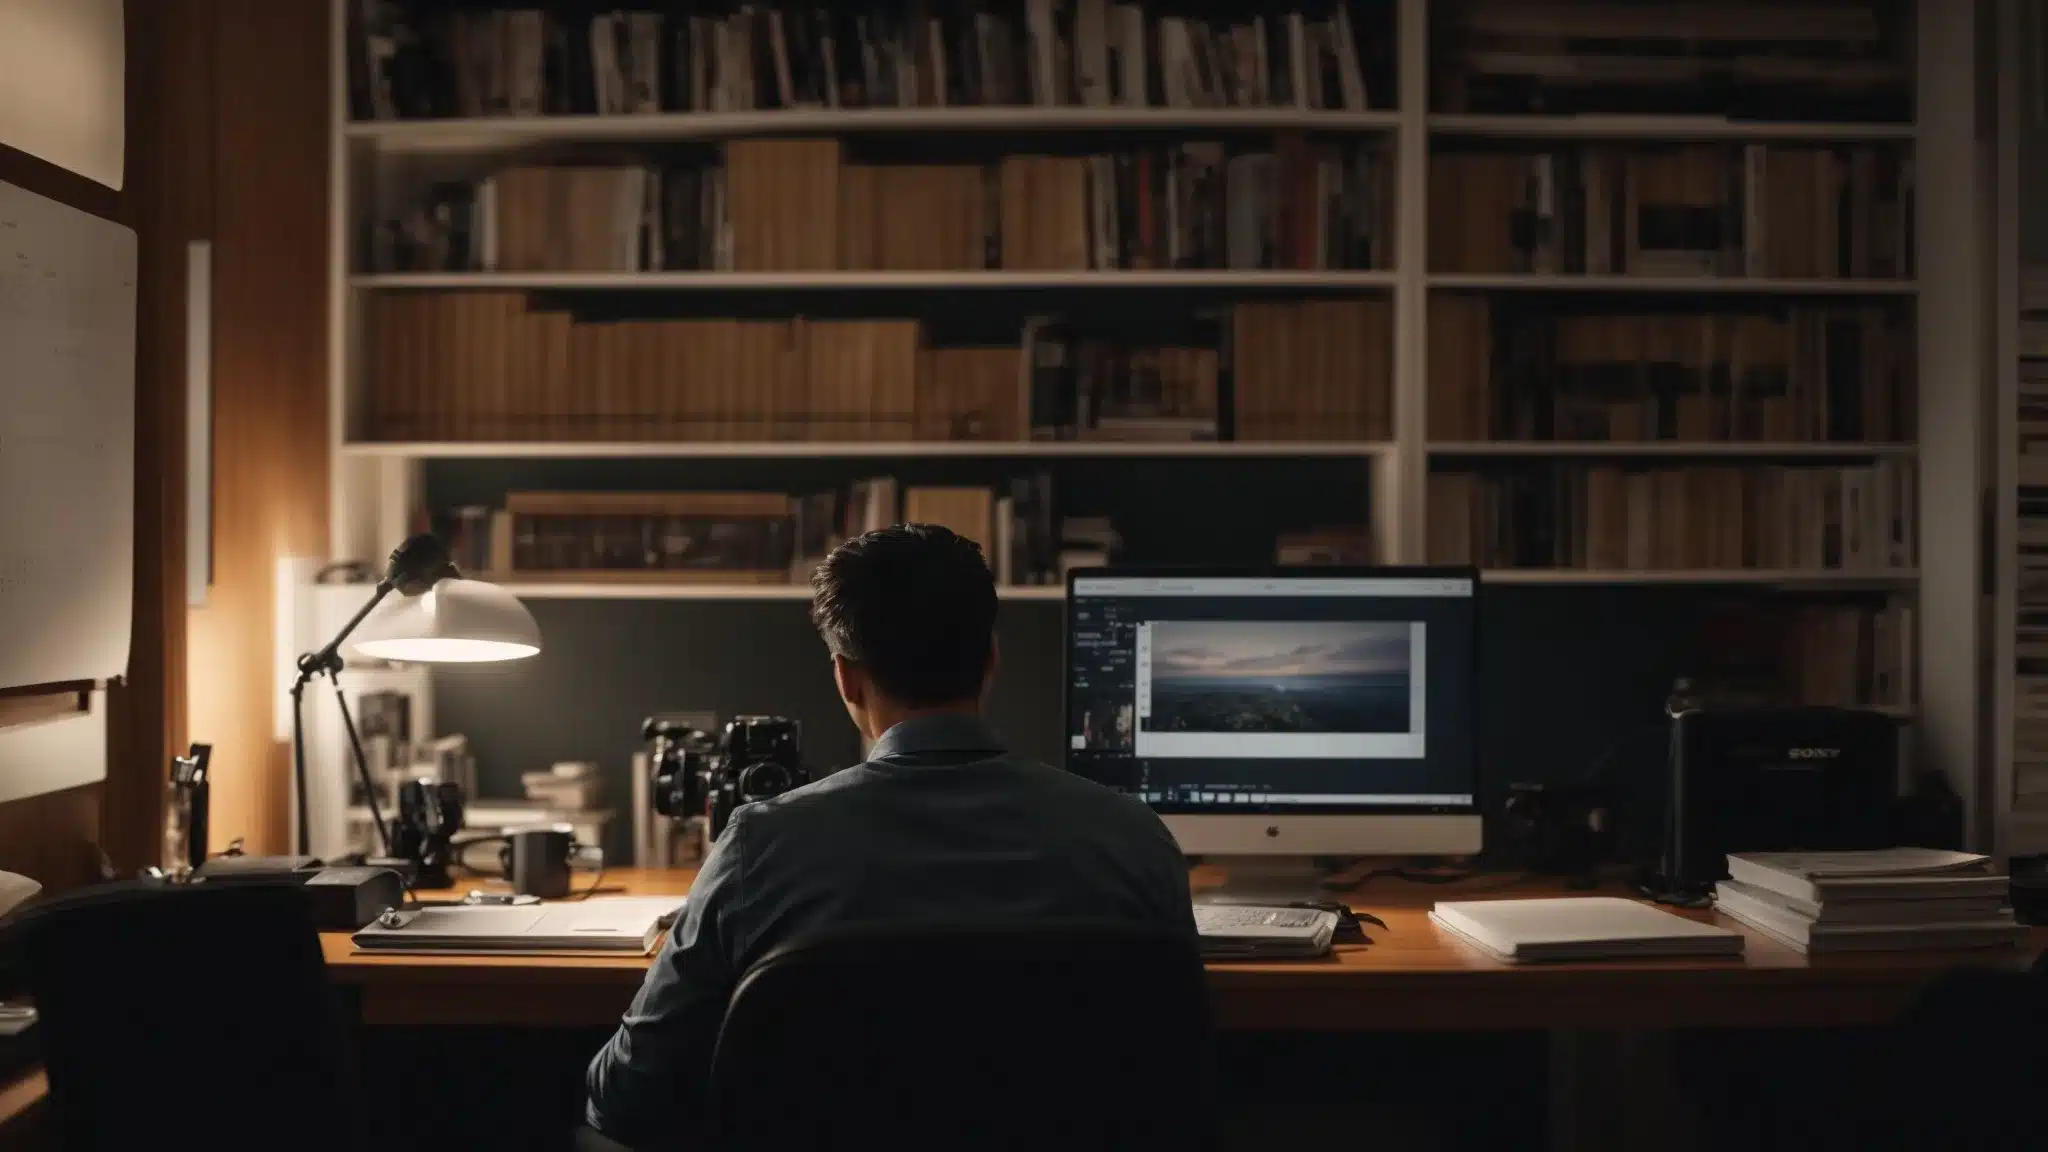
1565 673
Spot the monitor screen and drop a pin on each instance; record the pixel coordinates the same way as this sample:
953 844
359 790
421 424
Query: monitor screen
1324 691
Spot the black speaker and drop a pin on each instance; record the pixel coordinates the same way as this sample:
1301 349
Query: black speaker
1776 780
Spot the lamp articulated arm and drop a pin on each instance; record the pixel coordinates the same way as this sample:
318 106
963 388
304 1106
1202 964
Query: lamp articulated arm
415 566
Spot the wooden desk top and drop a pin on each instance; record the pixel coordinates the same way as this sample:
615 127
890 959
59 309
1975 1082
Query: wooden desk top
22 1093
1411 976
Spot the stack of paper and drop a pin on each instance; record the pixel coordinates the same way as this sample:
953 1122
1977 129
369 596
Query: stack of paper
606 924
1887 900
1580 928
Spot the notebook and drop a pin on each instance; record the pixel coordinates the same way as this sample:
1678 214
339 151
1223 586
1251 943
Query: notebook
618 924
1580 928
1891 873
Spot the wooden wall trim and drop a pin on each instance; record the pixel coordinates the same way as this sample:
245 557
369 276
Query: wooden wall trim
51 182
59 838
169 186
228 138
43 702
270 253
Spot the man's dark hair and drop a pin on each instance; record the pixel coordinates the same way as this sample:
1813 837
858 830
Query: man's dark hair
914 606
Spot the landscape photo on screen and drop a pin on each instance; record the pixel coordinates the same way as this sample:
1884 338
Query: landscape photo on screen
1215 676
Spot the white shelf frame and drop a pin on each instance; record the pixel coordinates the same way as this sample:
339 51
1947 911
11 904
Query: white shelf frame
949 281
1762 577
1813 579
371 484
1952 229
1658 128
813 449
497 133
2016 829
1673 285
1688 449
635 590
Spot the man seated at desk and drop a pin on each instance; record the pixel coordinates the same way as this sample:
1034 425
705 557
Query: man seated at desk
940 825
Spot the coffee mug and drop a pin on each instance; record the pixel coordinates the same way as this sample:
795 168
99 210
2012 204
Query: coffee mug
536 859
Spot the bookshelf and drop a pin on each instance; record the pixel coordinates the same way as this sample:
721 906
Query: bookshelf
2019 752
1427 101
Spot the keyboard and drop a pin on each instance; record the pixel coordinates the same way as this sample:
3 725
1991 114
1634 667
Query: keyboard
1226 919
1264 931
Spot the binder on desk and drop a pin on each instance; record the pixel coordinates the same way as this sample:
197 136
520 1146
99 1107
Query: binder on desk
625 925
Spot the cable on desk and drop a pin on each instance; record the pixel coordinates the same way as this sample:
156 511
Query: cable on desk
596 882
1425 873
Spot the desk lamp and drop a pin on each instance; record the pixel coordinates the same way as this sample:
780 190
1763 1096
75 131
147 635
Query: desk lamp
439 618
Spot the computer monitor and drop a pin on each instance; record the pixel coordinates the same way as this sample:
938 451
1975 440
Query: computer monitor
1304 713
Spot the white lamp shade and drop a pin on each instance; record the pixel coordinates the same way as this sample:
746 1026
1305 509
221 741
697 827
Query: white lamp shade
454 622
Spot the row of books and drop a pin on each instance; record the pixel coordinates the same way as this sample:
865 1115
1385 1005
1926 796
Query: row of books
758 537
499 366
1614 518
1751 210
773 538
1772 651
1762 59
796 205
2030 615
422 60
1792 373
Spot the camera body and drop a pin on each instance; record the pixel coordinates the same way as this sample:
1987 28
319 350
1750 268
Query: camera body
695 774
430 813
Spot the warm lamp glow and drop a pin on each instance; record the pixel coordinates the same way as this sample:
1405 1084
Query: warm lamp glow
454 622
442 650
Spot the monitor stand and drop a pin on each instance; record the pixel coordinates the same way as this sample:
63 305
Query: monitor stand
1269 880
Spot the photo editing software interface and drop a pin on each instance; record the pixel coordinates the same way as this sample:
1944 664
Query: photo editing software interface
1302 694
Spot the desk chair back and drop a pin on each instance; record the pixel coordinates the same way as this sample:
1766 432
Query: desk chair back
193 1017
1078 1037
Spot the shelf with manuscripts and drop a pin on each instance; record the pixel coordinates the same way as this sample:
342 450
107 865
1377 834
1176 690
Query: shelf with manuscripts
809 185
1827 520
1000 62
1807 217
820 212
495 367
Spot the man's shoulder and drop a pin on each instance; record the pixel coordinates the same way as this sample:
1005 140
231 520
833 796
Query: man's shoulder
839 787
865 782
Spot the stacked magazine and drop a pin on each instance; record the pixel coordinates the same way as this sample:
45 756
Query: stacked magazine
1887 900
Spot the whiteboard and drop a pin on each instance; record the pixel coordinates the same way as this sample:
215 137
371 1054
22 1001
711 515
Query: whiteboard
63 93
67 442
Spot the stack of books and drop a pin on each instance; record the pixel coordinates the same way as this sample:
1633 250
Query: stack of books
1888 900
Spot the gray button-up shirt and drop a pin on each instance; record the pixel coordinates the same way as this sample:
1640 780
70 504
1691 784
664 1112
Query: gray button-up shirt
940 825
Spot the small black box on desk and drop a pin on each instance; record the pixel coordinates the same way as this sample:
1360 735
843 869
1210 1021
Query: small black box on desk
1776 780
342 899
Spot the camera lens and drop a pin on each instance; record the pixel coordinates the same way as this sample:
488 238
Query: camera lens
764 778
